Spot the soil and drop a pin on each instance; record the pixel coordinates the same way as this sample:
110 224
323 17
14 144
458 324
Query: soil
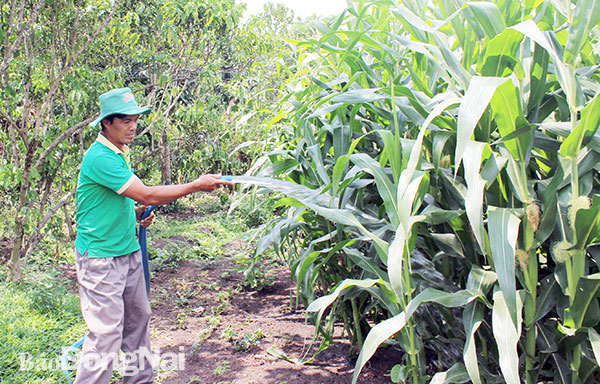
230 333
185 300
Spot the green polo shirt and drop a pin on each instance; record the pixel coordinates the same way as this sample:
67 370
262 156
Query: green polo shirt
105 219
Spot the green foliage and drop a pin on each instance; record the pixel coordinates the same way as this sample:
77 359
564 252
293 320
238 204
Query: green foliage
441 187
222 368
208 76
245 342
39 317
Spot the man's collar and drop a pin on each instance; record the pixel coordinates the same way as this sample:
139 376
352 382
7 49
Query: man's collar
104 141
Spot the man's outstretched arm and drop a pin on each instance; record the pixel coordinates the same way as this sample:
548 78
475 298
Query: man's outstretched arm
163 194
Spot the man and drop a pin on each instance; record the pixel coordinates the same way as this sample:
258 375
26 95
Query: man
114 302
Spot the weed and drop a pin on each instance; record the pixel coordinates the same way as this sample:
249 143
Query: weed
225 295
195 350
258 281
196 380
229 334
167 258
220 309
203 335
221 369
160 297
226 275
214 321
214 286
183 294
38 317
181 320
244 343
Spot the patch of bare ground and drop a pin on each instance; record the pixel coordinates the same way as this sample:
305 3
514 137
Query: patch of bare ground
229 332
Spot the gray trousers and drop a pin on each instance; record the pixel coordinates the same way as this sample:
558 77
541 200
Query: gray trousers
117 312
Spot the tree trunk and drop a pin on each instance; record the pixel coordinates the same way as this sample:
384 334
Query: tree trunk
165 156
38 234
14 265
69 222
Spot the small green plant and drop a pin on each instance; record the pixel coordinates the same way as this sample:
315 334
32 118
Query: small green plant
195 350
38 317
229 334
196 380
181 320
183 294
167 258
226 275
221 308
213 321
214 286
244 343
222 368
203 335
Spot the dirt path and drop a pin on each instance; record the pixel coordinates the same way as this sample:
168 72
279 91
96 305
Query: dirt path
227 331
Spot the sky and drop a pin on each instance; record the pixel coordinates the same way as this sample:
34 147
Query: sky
301 8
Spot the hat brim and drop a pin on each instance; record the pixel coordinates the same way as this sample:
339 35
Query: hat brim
129 112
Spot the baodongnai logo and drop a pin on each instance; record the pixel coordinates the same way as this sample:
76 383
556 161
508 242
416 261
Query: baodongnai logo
126 363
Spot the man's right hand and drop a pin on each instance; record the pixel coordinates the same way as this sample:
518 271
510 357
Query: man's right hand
209 182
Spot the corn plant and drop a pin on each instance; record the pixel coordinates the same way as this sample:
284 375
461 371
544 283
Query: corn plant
441 184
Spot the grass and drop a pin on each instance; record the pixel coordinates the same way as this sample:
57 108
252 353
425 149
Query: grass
201 236
38 317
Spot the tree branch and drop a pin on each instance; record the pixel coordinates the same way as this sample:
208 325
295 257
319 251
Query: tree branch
20 36
35 239
72 60
71 131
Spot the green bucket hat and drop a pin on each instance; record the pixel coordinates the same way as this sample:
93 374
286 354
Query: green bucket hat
118 101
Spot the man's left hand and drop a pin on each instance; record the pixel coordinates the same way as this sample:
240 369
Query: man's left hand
139 211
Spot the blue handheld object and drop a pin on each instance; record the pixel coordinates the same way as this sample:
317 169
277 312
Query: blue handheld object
64 359
225 178
144 249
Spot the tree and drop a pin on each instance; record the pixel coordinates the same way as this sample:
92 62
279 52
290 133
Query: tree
39 50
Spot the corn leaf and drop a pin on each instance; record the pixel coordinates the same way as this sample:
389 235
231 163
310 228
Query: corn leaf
501 55
387 328
585 130
507 333
385 186
509 117
587 291
585 223
400 245
565 75
475 187
456 374
594 338
505 226
472 319
489 17
586 17
323 302
472 106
